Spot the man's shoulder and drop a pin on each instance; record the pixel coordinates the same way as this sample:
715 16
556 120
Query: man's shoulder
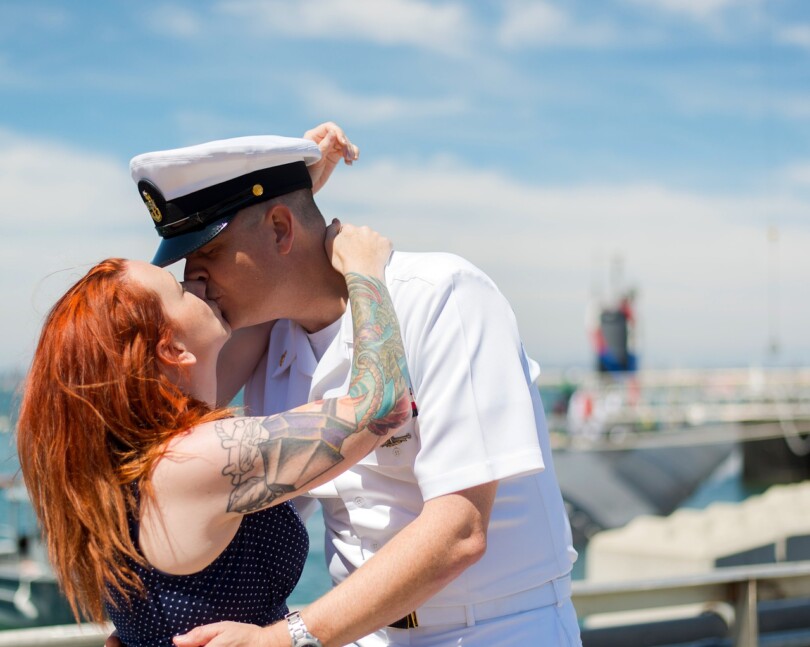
430 267
422 284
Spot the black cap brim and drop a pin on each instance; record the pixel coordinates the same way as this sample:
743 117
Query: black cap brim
173 249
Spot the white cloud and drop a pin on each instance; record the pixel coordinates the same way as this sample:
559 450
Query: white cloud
738 92
797 174
798 35
195 126
62 210
792 107
445 27
47 184
175 21
540 23
722 20
351 107
700 261
526 20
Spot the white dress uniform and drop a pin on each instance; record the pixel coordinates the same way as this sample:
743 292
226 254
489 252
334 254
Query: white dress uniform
480 420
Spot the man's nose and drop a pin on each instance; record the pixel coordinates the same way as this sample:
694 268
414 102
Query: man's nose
194 271
196 287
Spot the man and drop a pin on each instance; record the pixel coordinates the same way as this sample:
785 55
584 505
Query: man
453 532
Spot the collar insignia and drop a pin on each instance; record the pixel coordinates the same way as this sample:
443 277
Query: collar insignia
393 441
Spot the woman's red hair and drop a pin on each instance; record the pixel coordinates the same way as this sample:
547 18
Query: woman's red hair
96 415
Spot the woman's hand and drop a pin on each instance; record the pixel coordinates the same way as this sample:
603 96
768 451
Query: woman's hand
334 146
357 249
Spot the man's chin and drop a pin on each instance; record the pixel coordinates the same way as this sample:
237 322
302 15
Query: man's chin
231 319
237 324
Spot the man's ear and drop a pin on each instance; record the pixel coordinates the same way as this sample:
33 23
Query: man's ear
280 218
175 353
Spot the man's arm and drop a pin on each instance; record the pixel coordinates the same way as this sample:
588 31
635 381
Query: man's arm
238 359
335 146
446 538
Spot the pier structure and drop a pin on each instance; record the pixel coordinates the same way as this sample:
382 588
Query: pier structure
619 408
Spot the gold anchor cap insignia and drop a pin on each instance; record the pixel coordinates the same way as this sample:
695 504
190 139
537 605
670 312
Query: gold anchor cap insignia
153 208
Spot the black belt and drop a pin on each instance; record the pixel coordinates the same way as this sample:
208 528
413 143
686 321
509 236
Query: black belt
408 622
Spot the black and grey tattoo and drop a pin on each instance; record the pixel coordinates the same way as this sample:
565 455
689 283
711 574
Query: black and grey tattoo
297 447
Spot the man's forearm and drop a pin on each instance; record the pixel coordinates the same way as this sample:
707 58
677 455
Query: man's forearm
447 537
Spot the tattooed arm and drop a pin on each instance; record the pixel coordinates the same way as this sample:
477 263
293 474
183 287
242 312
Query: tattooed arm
273 458
223 469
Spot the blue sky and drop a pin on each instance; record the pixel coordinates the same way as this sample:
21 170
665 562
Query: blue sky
540 139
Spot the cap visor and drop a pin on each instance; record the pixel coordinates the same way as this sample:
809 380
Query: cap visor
172 250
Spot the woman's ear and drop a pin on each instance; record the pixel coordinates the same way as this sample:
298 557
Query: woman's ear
175 353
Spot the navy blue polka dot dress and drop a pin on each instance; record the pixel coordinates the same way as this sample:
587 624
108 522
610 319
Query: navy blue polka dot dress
248 582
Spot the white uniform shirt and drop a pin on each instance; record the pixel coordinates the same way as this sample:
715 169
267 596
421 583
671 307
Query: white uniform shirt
480 420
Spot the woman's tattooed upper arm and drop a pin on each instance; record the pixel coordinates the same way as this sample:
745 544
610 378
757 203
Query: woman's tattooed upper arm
298 446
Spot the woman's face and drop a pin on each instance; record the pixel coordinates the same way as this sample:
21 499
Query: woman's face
198 322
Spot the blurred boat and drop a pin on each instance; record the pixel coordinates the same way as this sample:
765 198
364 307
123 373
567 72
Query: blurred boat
29 592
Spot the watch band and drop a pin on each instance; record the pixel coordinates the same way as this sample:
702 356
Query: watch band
299 634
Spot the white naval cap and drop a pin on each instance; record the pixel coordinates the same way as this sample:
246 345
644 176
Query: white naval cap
192 193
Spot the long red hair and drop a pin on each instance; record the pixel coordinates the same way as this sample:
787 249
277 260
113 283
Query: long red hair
96 415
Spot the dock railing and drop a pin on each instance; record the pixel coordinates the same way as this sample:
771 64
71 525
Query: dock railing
85 635
734 590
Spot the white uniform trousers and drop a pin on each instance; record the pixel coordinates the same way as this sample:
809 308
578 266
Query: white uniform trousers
549 626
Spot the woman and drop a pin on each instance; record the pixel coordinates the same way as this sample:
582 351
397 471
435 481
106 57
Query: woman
143 487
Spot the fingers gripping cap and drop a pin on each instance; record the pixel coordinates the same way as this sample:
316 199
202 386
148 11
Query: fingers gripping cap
192 193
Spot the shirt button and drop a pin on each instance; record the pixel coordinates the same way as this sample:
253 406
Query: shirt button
359 501
375 546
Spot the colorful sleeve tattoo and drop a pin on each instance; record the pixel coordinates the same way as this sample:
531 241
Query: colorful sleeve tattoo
296 447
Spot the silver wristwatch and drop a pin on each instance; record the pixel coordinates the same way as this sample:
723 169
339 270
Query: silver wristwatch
298 631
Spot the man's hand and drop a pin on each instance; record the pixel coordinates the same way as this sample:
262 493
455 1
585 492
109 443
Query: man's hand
230 634
334 146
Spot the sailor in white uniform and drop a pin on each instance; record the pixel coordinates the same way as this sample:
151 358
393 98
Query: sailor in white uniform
480 421
454 531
